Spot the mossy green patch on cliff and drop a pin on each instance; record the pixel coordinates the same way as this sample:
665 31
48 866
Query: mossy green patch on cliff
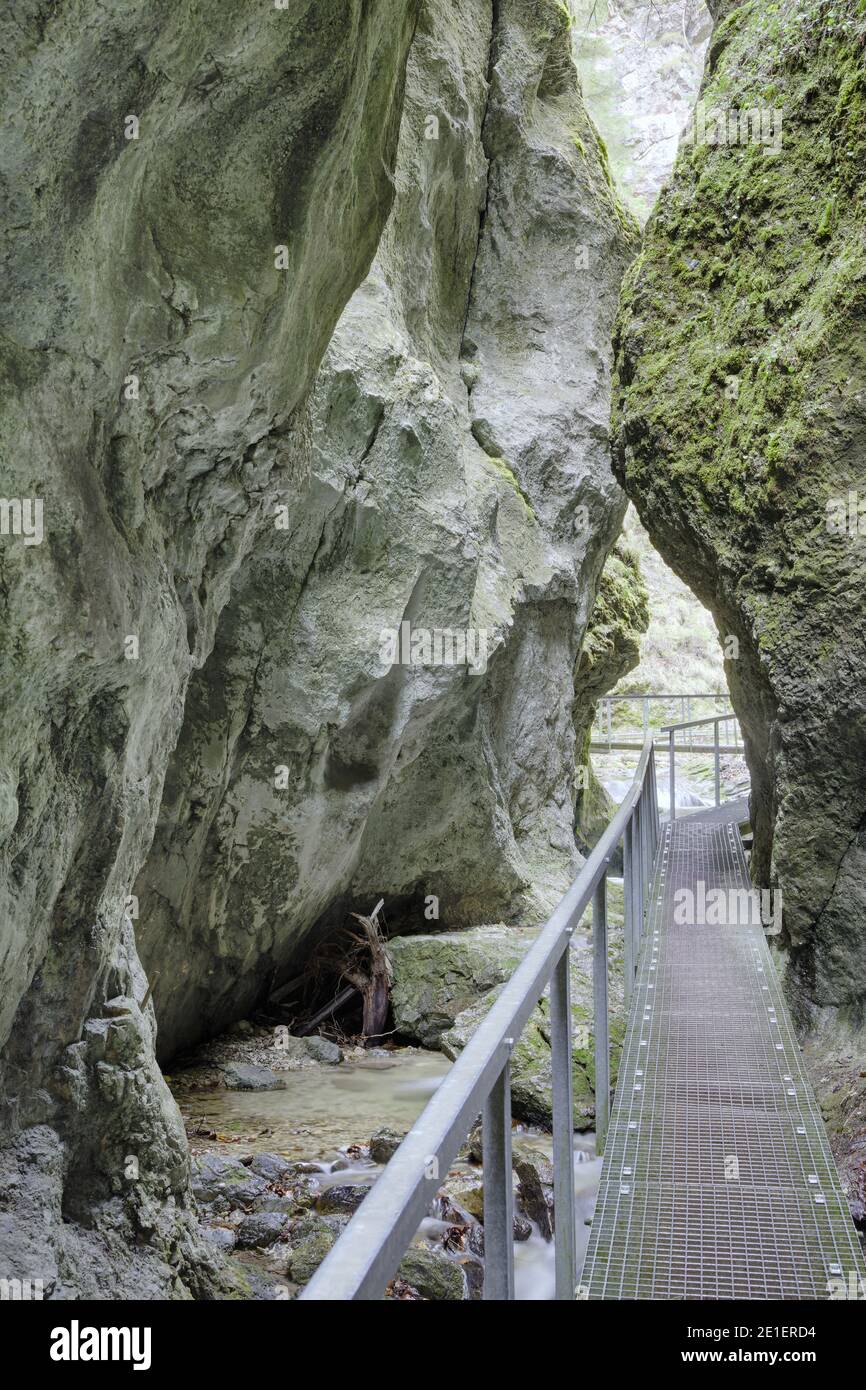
501 467
611 648
620 615
736 308
740 414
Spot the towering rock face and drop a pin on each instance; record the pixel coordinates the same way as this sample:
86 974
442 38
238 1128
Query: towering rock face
154 363
461 482
611 648
741 436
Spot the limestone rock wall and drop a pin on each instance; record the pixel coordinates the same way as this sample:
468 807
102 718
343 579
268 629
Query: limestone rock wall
460 480
154 366
192 648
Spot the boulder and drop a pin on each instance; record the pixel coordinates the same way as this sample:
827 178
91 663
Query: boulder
323 1050
306 1256
432 1274
240 1076
532 1197
441 993
216 1179
344 1198
271 1167
384 1144
436 977
260 1230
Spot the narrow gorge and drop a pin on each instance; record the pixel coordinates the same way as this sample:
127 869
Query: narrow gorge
333 350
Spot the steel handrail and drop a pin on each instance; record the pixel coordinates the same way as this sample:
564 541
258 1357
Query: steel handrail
369 1250
672 729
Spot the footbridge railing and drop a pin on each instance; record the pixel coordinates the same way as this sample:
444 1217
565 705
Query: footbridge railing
719 722
644 713
368 1252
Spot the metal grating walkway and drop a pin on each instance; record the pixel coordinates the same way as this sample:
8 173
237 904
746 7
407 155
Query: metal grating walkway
711 1082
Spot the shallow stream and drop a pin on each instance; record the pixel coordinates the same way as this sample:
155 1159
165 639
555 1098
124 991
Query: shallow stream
324 1111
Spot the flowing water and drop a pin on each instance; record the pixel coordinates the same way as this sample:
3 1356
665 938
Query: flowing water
534 1268
324 1111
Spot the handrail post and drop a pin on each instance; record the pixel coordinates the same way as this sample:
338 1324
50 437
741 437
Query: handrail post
647 856
628 887
641 866
563 1126
599 996
498 1190
673 774
655 787
718 778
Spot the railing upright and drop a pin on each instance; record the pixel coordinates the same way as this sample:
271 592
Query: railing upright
630 896
718 778
498 1189
673 775
563 1112
601 1022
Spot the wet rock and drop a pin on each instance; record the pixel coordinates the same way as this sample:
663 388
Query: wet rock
323 1050
464 1196
260 1230
522 1226
473 1272
433 1275
219 1179
211 1173
475 1239
522 1150
240 1076
308 1254
342 1199
272 1167
532 1197
384 1144
292 1204
473 1149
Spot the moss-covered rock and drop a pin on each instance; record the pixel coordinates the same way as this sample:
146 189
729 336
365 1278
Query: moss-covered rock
436 977
611 648
432 1275
444 985
740 427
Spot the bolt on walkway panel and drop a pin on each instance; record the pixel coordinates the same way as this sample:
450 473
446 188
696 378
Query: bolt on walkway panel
718 1181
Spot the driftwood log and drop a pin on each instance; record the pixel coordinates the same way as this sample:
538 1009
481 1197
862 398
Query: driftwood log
368 969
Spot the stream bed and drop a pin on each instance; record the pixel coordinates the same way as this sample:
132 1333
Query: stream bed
325 1117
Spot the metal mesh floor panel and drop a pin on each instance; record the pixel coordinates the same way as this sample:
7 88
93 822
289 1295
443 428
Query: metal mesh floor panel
718 1181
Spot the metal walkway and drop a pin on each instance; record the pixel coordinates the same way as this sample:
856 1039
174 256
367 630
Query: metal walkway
736 811
718 1181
